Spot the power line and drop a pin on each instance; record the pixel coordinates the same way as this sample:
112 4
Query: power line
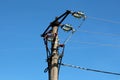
105 20
87 69
100 44
115 37
71 34
100 33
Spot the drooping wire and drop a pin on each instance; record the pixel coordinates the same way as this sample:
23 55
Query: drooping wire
71 34
68 38
47 49
60 59
87 69
48 57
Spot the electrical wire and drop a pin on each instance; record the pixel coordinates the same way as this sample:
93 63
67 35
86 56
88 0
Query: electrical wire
100 33
105 20
87 69
71 34
110 45
68 38
60 58
111 36
99 44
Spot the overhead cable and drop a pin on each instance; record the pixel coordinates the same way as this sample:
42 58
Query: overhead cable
100 33
69 37
87 69
100 44
105 20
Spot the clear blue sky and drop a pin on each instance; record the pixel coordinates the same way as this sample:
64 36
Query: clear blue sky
22 52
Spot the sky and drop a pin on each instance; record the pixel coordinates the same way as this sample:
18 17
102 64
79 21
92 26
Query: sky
95 45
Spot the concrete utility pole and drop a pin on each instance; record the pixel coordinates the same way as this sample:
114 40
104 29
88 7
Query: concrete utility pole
54 57
51 41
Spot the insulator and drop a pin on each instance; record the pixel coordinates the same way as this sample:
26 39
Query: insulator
79 15
66 27
50 37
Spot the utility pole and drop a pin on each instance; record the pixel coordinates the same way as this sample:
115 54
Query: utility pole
55 56
51 41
